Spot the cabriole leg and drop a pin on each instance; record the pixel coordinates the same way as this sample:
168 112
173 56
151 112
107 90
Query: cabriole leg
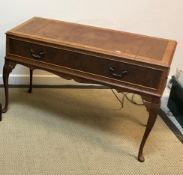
153 110
8 67
0 112
30 85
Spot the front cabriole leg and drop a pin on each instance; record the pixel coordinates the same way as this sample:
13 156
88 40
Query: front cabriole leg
8 67
153 109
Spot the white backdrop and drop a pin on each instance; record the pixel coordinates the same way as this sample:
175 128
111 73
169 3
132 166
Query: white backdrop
150 17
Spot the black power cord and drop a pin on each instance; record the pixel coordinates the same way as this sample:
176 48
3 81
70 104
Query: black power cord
125 96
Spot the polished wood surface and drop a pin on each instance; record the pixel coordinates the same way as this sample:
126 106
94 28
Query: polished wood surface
120 60
107 68
111 42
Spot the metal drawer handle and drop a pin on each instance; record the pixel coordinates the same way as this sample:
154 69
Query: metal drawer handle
115 74
37 55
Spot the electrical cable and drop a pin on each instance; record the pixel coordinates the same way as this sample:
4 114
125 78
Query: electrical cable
125 96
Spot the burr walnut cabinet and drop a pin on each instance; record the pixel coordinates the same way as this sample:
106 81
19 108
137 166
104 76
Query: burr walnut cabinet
120 60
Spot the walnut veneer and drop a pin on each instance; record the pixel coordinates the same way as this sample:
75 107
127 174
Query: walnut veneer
119 60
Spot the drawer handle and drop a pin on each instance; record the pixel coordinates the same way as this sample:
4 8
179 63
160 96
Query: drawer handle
115 74
37 55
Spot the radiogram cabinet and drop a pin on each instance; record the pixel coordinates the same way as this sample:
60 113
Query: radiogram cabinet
120 60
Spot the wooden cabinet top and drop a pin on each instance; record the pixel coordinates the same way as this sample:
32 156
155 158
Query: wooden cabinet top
119 44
